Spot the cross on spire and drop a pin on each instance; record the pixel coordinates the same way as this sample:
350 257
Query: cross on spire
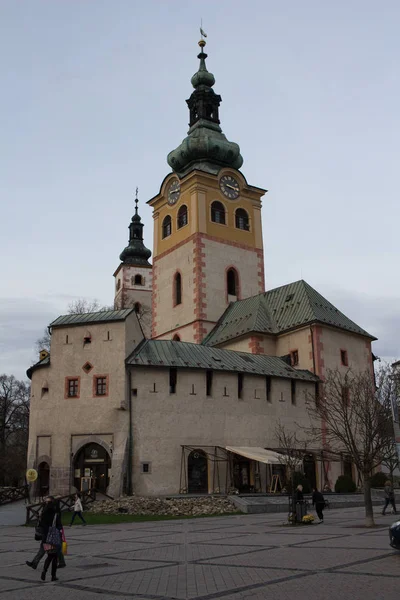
136 201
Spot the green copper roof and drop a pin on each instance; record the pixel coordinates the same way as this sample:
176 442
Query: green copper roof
136 252
42 363
184 355
277 311
205 148
104 316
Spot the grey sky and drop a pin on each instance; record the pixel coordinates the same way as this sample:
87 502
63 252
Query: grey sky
93 99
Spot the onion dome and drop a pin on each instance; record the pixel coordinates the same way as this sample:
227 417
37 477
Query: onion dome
205 148
136 252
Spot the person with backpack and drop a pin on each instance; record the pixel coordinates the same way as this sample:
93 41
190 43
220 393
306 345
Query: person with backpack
319 502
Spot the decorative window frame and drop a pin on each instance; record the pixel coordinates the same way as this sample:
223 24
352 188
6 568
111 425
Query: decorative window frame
226 213
164 237
178 227
248 216
66 387
94 385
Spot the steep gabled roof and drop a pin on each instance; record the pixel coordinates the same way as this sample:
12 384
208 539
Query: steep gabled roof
103 316
279 310
167 353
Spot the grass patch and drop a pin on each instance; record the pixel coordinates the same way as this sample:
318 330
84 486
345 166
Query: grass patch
104 519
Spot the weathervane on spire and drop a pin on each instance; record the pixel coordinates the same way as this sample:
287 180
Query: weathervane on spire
203 34
136 201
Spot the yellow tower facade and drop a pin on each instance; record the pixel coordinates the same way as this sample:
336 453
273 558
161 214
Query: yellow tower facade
208 248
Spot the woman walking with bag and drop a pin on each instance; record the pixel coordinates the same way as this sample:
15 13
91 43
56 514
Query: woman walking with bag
51 524
78 508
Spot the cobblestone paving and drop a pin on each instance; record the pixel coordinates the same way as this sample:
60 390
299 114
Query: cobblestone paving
241 557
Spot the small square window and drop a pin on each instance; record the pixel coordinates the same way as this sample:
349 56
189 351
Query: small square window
344 358
145 467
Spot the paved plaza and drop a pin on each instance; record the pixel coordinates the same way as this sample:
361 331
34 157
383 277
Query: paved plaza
232 558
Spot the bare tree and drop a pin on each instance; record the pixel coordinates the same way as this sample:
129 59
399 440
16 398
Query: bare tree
390 458
83 305
356 418
292 448
43 343
77 307
14 424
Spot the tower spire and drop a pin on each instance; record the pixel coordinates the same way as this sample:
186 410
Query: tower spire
136 252
205 148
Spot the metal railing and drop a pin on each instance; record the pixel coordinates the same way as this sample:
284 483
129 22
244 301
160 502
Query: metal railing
12 494
33 511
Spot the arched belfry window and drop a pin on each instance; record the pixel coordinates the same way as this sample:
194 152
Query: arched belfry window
242 219
177 289
167 227
232 283
182 216
138 280
218 212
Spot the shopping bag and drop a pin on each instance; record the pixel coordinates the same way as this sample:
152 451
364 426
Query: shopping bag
64 548
53 536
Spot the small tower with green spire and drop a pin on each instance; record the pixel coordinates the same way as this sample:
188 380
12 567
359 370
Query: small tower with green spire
133 278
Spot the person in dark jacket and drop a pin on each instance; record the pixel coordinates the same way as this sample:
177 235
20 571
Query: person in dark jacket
319 502
389 497
50 512
46 520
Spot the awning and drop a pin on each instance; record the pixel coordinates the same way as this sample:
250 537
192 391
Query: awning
269 457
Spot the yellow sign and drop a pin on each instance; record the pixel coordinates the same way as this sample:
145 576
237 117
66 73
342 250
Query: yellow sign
31 475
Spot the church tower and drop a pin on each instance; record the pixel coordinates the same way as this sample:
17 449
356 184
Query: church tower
134 278
208 248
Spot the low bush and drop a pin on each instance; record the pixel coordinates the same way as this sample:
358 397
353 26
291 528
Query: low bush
345 485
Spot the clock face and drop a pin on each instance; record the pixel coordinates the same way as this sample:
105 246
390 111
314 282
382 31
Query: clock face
229 187
174 191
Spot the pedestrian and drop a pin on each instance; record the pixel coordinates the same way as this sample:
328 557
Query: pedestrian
299 496
78 508
300 507
50 522
45 517
389 497
319 502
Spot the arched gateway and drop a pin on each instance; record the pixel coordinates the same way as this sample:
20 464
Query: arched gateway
91 468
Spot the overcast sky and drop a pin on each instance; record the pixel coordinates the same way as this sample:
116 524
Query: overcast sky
93 99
